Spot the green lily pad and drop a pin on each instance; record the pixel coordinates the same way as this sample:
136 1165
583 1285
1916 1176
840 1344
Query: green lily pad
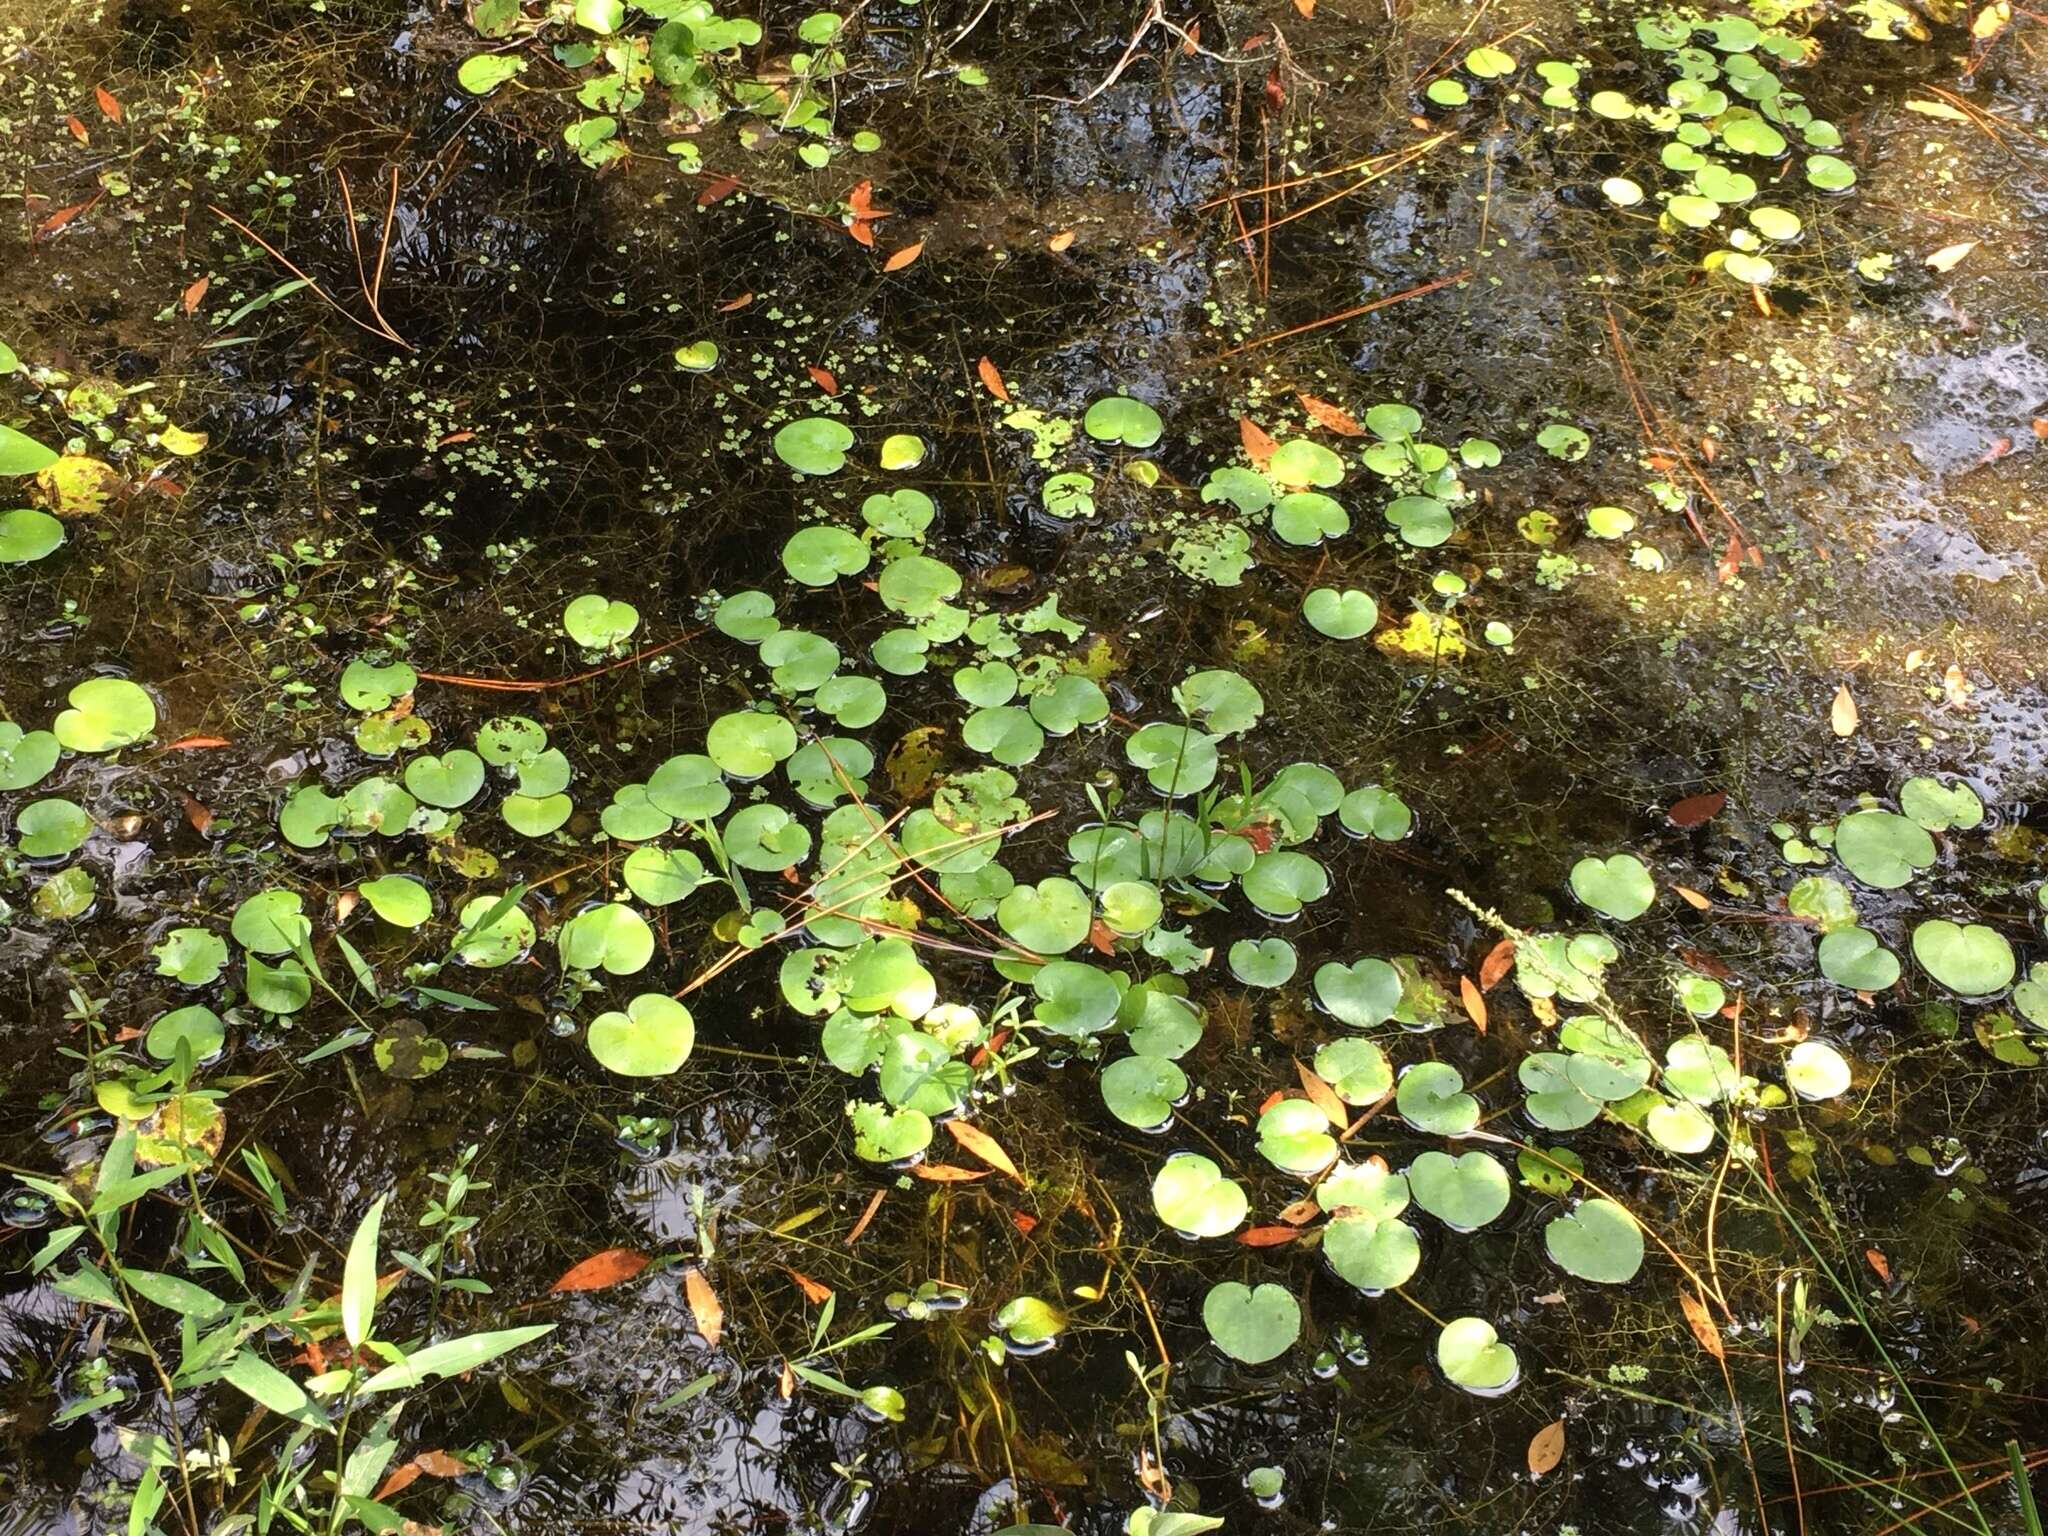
1074 999
816 445
1699 1071
67 894
1464 1193
1371 1251
1282 882
1029 1322
371 686
1307 518
192 956
1431 1098
1177 759
917 585
819 555
1830 173
1191 1195
598 623
1357 1069
651 1038
1422 521
199 1028
1554 1101
271 923
26 757
28 534
885 1135
1067 703
746 743
1470 1354
1853 957
1120 419
1371 811
1252 1325
1363 994
1816 1070
398 899
106 713
1263 962
489 945
1131 907
661 877
1294 1136
691 787
1141 1091
535 815
52 828
1006 733
1941 807
1342 615
1967 958
1617 886
1882 848
610 935
1598 1241
281 988
766 838
1301 461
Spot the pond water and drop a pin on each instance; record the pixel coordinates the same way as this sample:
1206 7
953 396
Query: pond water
1048 602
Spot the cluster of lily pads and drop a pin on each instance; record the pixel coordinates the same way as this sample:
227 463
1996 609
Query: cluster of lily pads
620 52
1728 120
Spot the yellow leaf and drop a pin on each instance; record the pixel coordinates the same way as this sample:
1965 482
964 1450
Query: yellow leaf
1945 259
184 444
1940 109
704 1305
1843 714
1991 21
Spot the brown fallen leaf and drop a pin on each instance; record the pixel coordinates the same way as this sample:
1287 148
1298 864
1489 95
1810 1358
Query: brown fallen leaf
63 216
787 1384
440 1464
1843 716
1474 1001
1323 1096
1259 444
717 190
1731 560
1696 809
1101 937
197 813
194 292
1301 1213
739 303
1701 1322
946 1173
198 743
1879 1263
1024 1222
992 380
1546 1448
1335 418
816 1292
978 1143
608 1267
1267 1237
402 1477
860 202
110 105
78 131
1060 241
1307 8
1497 963
823 378
704 1307
903 256
1956 688
1693 898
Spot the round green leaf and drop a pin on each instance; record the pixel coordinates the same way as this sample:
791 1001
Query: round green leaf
1598 1241
1431 1097
1617 886
1301 461
610 935
1280 883
1816 1070
1967 958
597 622
1120 419
816 445
1375 1253
1192 1196
1067 703
1377 813
651 1038
1853 957
1464 1193
1342 615
200 1028
192 956
1470 1354
819 555
487 946
1357 1069
28 534
271 923
398 899
1252 1325
1262 962
447 782
49 829
1941 807
1294 1136
746 744
106 713
1363 994
662 877
1141 1091
1177 759
1882 848
1422 521
690 786
26 757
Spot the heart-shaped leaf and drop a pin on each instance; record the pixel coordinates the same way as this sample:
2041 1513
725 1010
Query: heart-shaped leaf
1262 962
1431 1097
447 782
1470 1354
1142 1091
106 713
1852 957
1342 615
815 445
1120 419
651 1038
1294 1136
1363 994
610 935
1464 1193
1252 1325
1597 1240
1374 1253
1882 848
1617 886
1191 1195
1968 958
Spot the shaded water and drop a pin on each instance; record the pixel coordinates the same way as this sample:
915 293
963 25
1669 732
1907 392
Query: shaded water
532 440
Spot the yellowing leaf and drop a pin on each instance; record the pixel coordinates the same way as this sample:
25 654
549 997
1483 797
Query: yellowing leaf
1945 259
1843 715
181 442
974 1140
1940 109
1991 21
704 1306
